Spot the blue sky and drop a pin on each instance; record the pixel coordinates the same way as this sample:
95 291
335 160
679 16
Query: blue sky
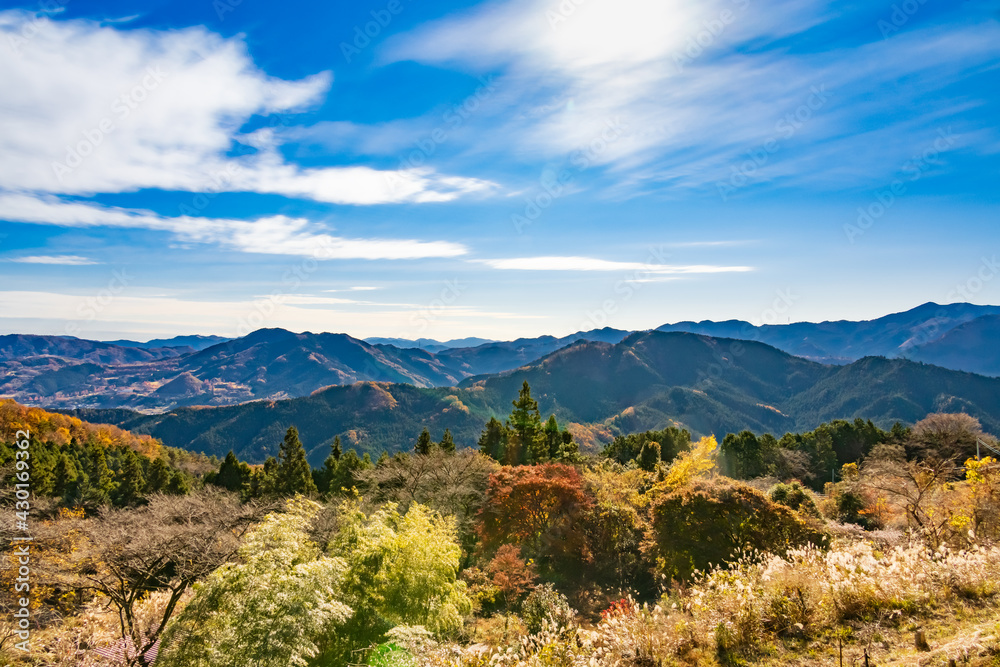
423 168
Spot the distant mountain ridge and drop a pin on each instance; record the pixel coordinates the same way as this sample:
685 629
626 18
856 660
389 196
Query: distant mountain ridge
66 372
194 342
649 380
894 335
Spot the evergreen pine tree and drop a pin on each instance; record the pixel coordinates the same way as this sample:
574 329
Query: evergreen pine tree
293 474
158 477
178 484
493 440
131 482
553 438
447 443
335 450
230 476
101 481
525 424
65 478
424 443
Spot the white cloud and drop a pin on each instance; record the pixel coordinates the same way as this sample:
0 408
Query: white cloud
92 109
63 260
593 264
273 235
699 83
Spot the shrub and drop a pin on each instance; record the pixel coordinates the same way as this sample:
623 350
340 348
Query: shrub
707 522
545 605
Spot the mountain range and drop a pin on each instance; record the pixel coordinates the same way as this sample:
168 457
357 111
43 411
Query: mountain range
649 380
274 364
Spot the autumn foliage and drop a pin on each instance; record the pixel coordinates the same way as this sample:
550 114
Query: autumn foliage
537 507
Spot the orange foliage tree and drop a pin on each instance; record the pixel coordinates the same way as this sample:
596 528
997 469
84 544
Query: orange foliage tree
540 508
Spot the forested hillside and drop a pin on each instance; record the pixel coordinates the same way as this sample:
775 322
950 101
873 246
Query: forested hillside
649 381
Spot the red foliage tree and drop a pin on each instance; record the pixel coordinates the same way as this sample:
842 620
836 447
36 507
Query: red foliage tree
511 574
539 508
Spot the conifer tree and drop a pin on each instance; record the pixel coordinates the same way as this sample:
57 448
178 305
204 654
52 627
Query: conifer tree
65 478
447 443
493 440
553 438
335 451
525 424
423 443
649 456
232 474
293 474
131 480
100 482
178 484
159 476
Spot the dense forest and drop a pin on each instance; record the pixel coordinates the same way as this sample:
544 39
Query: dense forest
845 542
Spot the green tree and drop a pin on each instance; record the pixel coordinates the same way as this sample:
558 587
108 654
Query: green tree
401 570
65 478
344 478
447 443
525 424
158 477
424 443
233 474
271 609
100 481
335 450
131 483
649 456
293 474
493 440
178 485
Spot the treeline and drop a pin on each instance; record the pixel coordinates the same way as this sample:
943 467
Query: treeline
90 474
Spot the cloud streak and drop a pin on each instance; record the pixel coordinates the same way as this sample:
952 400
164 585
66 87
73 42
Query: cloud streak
272 235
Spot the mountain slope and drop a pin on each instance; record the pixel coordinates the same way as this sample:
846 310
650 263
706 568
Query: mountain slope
15 347
973 346
648 381
845 341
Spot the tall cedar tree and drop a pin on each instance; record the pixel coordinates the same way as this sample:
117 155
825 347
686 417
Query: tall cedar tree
158 477
447 443
493 440
424 443
293 474
132 481
329 472
525 424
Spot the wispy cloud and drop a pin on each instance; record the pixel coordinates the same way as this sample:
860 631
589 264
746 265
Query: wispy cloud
63 260
92 109
273 235
593 264
701 85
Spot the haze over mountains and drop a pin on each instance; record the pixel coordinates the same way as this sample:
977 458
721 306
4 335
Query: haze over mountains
66 372
649 380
